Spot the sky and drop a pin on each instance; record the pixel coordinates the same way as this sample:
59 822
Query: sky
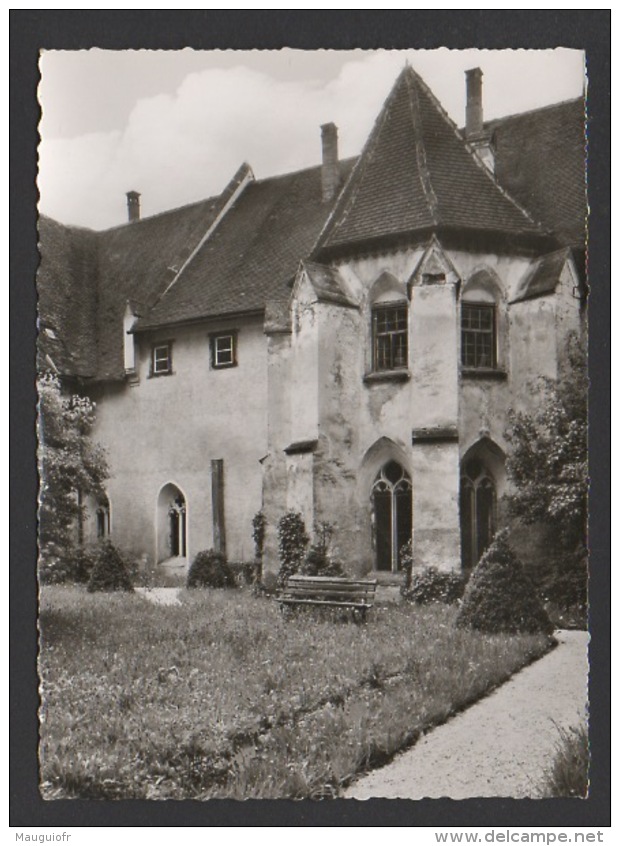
176 125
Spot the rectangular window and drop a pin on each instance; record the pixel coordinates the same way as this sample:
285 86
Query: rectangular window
161 359
224 350
389 329
478 341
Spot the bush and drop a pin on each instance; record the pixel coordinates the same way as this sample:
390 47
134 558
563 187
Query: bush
109 572
210 569
432 585
81 563
568 775
318 561
499 596
292 543
243 571
58 565
268 586
429 585
54 567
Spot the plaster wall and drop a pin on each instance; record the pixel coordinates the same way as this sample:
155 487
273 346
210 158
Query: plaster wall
571 314
436 530
279 428
167 429
534 349
304 382
365 423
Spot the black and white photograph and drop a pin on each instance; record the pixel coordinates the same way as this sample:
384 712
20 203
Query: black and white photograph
312 379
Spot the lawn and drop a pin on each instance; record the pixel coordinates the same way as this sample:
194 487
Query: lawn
221 697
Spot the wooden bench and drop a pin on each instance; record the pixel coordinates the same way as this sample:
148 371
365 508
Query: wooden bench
329 591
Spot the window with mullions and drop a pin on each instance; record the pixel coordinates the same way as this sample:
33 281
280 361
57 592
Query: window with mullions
224 350
389 330
161 359
478 341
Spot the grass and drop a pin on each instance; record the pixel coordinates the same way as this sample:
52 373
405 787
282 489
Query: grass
221 697
568 775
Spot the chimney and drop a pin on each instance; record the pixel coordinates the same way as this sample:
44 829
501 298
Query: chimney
473 110
330 173
133 206
479 140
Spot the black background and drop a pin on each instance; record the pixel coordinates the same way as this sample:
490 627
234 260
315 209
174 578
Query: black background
32 30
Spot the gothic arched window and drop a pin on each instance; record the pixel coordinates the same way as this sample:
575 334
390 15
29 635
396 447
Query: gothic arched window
478 501
103 518
392 505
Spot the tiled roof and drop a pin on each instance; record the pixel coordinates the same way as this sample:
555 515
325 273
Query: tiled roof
67 287
415 174
543 277
137 262
253 254
540 160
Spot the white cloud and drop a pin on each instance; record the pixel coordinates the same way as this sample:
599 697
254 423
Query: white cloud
180 148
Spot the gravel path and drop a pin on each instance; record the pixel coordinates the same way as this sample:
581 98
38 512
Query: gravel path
502 745
160 596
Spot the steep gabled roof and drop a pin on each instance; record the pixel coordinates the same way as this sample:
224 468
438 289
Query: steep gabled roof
540 160
252 255
417 174
544 276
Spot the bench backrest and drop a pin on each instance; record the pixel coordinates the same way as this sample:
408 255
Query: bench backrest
330 587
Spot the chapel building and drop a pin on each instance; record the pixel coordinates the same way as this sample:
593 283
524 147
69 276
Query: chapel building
344 341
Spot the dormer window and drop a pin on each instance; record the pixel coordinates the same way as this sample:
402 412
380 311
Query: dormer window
478 335
223 350
161 359
389 335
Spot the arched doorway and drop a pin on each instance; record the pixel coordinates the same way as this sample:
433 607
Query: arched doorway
478 511
392 507
171 523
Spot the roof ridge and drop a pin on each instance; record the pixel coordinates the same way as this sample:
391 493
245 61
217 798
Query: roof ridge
302 170
343 202
158 215
420 149
537 110
235 187
479 163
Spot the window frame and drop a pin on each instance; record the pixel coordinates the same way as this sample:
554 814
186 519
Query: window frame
103 521
377 309
160 345
489 307
214 337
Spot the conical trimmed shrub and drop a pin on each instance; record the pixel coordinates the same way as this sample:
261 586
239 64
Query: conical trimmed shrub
499 596
109 572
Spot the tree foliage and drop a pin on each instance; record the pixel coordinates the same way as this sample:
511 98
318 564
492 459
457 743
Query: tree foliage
71 464
548 464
